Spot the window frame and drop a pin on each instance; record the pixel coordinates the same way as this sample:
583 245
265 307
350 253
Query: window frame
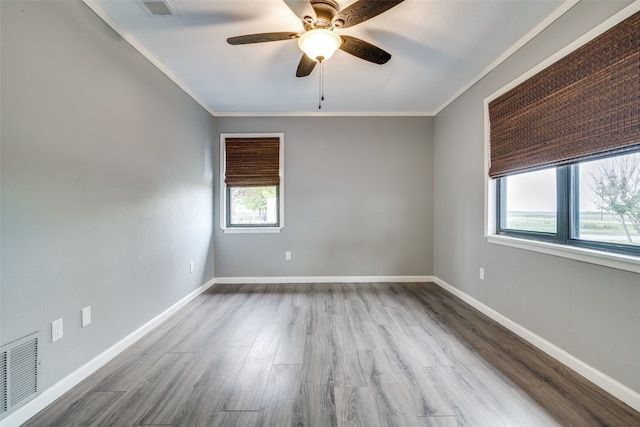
528 234
224 193
577 252
568 216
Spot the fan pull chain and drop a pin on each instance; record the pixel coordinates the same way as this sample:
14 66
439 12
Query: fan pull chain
321 84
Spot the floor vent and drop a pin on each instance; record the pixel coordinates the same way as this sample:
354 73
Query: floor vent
18 373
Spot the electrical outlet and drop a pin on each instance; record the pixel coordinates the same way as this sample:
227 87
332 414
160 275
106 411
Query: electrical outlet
56 330
287 255
191 267
481 273
86 316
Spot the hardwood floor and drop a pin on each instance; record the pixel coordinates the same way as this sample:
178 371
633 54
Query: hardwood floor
390 354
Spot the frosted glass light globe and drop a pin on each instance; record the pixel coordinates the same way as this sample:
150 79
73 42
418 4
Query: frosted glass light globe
320 44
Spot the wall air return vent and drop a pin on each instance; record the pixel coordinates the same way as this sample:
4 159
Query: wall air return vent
18 373
157 7
4 404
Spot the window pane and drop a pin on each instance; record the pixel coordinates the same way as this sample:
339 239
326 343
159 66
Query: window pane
253 206
531 203
609 200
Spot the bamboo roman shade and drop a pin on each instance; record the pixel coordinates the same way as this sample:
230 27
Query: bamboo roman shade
585 105
252 162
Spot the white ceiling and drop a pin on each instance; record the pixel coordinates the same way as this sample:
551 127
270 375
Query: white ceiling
438 49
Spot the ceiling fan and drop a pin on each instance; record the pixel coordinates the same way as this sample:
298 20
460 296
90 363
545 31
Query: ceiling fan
319 42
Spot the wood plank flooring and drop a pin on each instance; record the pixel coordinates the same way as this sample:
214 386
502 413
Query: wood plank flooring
383 354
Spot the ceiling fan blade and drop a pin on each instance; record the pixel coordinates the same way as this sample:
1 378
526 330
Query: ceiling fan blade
305 67
301 8
262 37
364 50
362 10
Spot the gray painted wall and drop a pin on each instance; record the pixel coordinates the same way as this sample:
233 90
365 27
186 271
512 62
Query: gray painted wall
358 199
106 184
590 311
106 193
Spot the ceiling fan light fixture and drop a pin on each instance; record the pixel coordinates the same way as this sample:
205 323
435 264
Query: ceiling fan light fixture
319 44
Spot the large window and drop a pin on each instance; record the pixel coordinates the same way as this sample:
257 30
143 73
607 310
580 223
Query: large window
564 152
251 182
593 204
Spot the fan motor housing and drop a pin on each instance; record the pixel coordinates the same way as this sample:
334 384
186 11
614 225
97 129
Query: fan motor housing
325 10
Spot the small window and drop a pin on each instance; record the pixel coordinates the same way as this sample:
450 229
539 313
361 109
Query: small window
252 206
251 182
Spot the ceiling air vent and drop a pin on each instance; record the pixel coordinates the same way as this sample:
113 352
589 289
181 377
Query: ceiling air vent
157 7
18 373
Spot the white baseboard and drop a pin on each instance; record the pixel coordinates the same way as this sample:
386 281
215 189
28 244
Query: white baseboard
322 279
615 388
605 382
49 395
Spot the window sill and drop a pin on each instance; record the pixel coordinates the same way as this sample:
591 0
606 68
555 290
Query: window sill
606 259
250 230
